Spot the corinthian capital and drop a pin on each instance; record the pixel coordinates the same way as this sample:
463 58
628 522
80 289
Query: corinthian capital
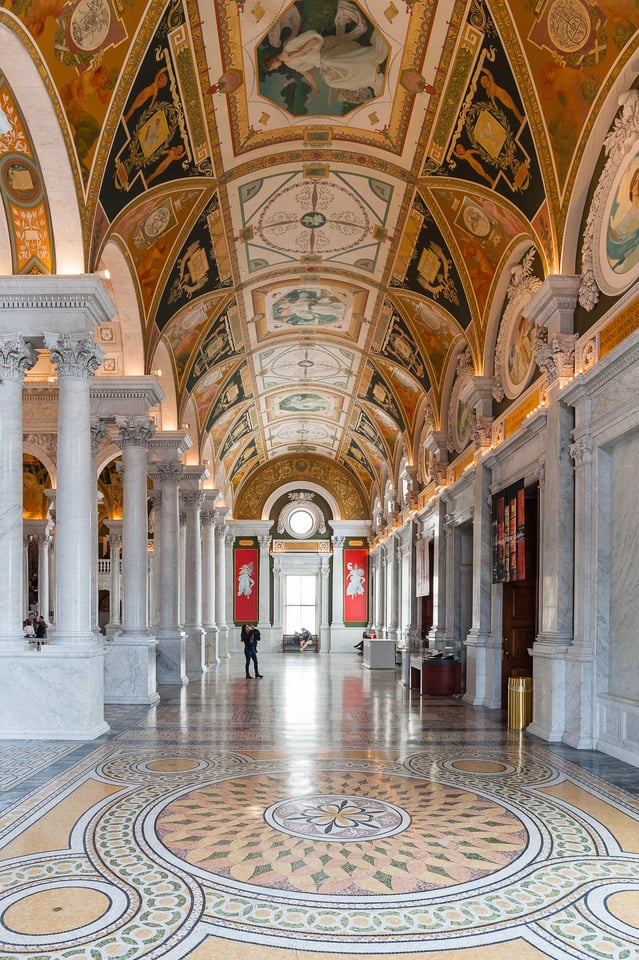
16 357
134 431
74 354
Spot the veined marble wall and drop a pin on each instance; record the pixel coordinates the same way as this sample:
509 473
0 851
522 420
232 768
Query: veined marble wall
624 569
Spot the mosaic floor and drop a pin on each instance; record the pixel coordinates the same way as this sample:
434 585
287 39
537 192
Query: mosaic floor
324 811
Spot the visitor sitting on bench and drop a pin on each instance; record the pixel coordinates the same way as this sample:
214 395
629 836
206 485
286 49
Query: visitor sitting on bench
304 637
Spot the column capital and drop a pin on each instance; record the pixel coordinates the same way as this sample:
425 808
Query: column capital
16 357
207 519
264 541
75 355
98 429
167 472
193 499
134 431
338 542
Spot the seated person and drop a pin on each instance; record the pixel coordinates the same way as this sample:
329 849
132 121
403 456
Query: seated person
305 638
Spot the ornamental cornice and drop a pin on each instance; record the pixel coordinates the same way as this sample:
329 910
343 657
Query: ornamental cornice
54 302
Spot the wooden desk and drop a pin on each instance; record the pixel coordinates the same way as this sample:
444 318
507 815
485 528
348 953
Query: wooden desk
435 678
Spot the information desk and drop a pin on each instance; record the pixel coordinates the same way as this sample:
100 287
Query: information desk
379 654
435 677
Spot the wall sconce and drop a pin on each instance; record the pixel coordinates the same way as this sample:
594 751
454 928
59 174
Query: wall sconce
156 373
186 426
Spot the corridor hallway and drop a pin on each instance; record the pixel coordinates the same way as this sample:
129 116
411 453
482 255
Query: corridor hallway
323 811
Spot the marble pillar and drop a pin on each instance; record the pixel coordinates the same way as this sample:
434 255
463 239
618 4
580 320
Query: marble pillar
70 697
264 612
16 357
229 612
392 570
44 543
220 585
98 433
191 499
437 633
325 595
278 600
482 686
182 567
552 309
207 521
130 674
380 592
171 662
115 593
338 582
51 514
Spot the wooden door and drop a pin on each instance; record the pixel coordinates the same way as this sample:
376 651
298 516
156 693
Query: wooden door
519 616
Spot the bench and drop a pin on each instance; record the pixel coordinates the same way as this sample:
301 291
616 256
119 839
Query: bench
291 642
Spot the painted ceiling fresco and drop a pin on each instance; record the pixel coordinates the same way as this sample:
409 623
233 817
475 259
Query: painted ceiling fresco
318 200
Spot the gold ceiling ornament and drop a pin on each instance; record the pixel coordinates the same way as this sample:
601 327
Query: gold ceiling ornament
319 471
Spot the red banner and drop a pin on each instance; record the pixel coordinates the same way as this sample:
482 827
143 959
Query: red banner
355 586
245 585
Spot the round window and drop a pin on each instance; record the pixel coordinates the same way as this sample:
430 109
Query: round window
301 522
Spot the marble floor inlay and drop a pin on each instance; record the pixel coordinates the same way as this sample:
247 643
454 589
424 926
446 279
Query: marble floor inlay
325 812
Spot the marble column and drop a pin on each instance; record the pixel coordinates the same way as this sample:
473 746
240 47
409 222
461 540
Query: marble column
16 357
98 433
75 673
483 676
207 521
264 614
380 581
182 567
155 497
171 664
51 514
278 601
26 606
115 593
220 585
44 542
130 674
192 498
229 615
579 729
325 596
552 309
437 633
338 582
392 588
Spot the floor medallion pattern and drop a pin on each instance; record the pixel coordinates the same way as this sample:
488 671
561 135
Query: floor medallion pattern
451 847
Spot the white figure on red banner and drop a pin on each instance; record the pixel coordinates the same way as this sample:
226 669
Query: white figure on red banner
355 580
245 581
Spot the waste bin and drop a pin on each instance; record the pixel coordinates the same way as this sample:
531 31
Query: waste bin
519 702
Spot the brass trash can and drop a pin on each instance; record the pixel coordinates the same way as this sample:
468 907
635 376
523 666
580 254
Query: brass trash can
519 702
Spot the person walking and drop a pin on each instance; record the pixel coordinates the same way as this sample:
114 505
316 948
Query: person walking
250 637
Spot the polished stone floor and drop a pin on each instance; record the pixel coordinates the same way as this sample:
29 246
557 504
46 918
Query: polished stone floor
324 811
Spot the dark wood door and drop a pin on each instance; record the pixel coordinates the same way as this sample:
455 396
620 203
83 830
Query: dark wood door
520 609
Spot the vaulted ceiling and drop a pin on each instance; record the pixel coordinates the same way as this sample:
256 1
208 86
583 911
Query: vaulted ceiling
320 203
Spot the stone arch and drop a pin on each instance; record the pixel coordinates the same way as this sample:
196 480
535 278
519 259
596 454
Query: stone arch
19 66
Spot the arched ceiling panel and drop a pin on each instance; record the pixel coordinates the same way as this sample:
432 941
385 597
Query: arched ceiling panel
318 201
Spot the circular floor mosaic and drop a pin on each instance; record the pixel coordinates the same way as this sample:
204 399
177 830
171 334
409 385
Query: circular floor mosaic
337 819
405 839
